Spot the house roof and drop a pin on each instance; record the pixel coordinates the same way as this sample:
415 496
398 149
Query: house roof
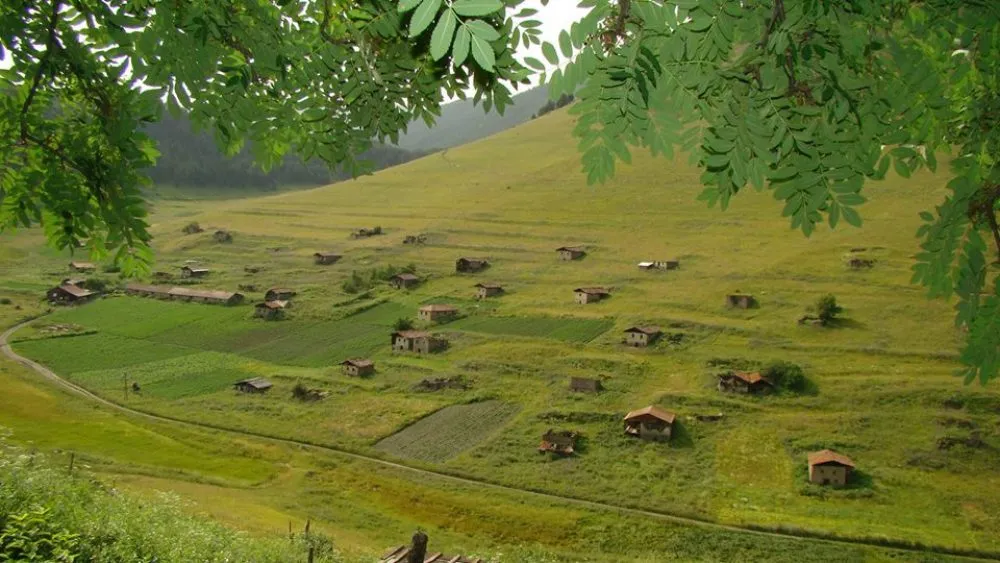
405 277
489 285
401 553
740 295
829 456
148 288
592 290
281 290
202 293
83 265
75 291
274 304
750 377
650 329
646 264
654 411
412 334
469 259
358 362
194 268
439 308
570 249
256 383
325 254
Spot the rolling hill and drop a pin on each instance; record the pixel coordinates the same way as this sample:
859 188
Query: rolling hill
879 384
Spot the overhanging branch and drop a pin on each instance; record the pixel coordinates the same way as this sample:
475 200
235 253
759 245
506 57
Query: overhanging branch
43 63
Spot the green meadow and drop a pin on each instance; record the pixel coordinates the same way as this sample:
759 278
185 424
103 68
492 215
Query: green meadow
880 384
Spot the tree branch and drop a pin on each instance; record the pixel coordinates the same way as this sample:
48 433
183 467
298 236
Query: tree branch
991 218
43 63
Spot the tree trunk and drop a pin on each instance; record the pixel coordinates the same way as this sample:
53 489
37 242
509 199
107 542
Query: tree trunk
418 549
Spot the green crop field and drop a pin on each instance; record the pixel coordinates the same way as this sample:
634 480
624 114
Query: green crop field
448 432
880 386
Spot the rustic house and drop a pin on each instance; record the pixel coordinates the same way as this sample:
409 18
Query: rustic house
585 384
143 290
586 295
660 265
404 281
741 301
417 341
436 312
205 296
68 294
193 272
253 385
571 252
358 367
82 267
642 336
471 265
744 382
484 290
562 442
650 423
827 467
326 258
270 310
279 294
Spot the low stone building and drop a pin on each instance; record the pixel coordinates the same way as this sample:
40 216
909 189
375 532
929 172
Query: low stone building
741 301
571 252
744 382
827 467
471 265
326 258
194 272
642 336
404 281
586 295
279 294
358 367
585 385
561 442
437 312
253 385
69 294
417 341
144 290
650 423
270 310
82 267
660 265
205 296
484 290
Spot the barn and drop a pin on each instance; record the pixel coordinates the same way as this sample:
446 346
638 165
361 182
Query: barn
740 301
69 294
358 367
586 295
253 385
484 290
471 265
270 310
827 467
650 423
279 294
326 258
744 382
571 252
417 341
193 272
404 281
642 336
437 312
82 267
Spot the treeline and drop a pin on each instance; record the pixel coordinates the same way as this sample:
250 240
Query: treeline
550 106
192 159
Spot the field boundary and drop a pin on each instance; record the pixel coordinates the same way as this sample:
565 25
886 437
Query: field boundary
751 529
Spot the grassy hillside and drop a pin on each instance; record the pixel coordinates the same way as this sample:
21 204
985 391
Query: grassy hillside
880 384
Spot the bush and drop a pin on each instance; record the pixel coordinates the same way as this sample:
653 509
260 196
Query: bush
192 228
5 301
827 309
96 284
402 323
785 375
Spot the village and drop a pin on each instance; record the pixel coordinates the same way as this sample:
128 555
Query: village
647 423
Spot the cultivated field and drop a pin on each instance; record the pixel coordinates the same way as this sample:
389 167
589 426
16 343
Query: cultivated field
880 384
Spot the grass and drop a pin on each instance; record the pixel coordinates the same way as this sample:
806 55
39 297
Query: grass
884 388
448 432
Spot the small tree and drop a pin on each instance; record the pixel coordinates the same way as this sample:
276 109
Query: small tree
403 323
785 375
827 309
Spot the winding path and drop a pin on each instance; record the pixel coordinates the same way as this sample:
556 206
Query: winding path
594 505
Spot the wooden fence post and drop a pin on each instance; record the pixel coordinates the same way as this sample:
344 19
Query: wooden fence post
418 548
72 458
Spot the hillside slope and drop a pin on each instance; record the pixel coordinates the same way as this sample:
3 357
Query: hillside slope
880 386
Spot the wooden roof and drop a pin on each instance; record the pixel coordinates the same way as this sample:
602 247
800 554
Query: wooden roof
405 277
75 291
439 308
645 329
83 265
823 457
194 268
750 377
163 289
570 249
489 285
655 412
202 293
275 304
256 383
412 334
592 290
468 259
358 362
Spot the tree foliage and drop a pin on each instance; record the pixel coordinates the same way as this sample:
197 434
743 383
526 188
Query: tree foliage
806 99
827 309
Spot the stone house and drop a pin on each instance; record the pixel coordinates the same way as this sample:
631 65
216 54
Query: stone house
205 296
417 341
650 423
253 385
436 313
404 281
471 265
585 384
827 467
358 367
279 294
571 252
744 382
484 290
270 310
69 294
561 442
143 290
642 336
740 301
586 295
193 272
326 258
660 265
82 267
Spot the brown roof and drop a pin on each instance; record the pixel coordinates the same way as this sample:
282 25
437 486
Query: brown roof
83 265
256 383
75 291
194 269
592 290
273 304
654 411
148 288
358 363
645 329
489 285
202 293
570 249
326 254
439 308
829 456
412 334
405 277
750 377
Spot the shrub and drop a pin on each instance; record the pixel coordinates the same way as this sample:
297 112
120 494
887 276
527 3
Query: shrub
785 375
96 284
192 228
5 301
827 309
402 323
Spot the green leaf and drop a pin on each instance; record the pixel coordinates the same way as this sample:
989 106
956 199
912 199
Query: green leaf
482 30
550 53
424 16
565 44
460 50
477 7
444 31
851 216
534 63
482 51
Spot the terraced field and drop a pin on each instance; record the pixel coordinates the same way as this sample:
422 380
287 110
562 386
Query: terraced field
448 432
568 330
